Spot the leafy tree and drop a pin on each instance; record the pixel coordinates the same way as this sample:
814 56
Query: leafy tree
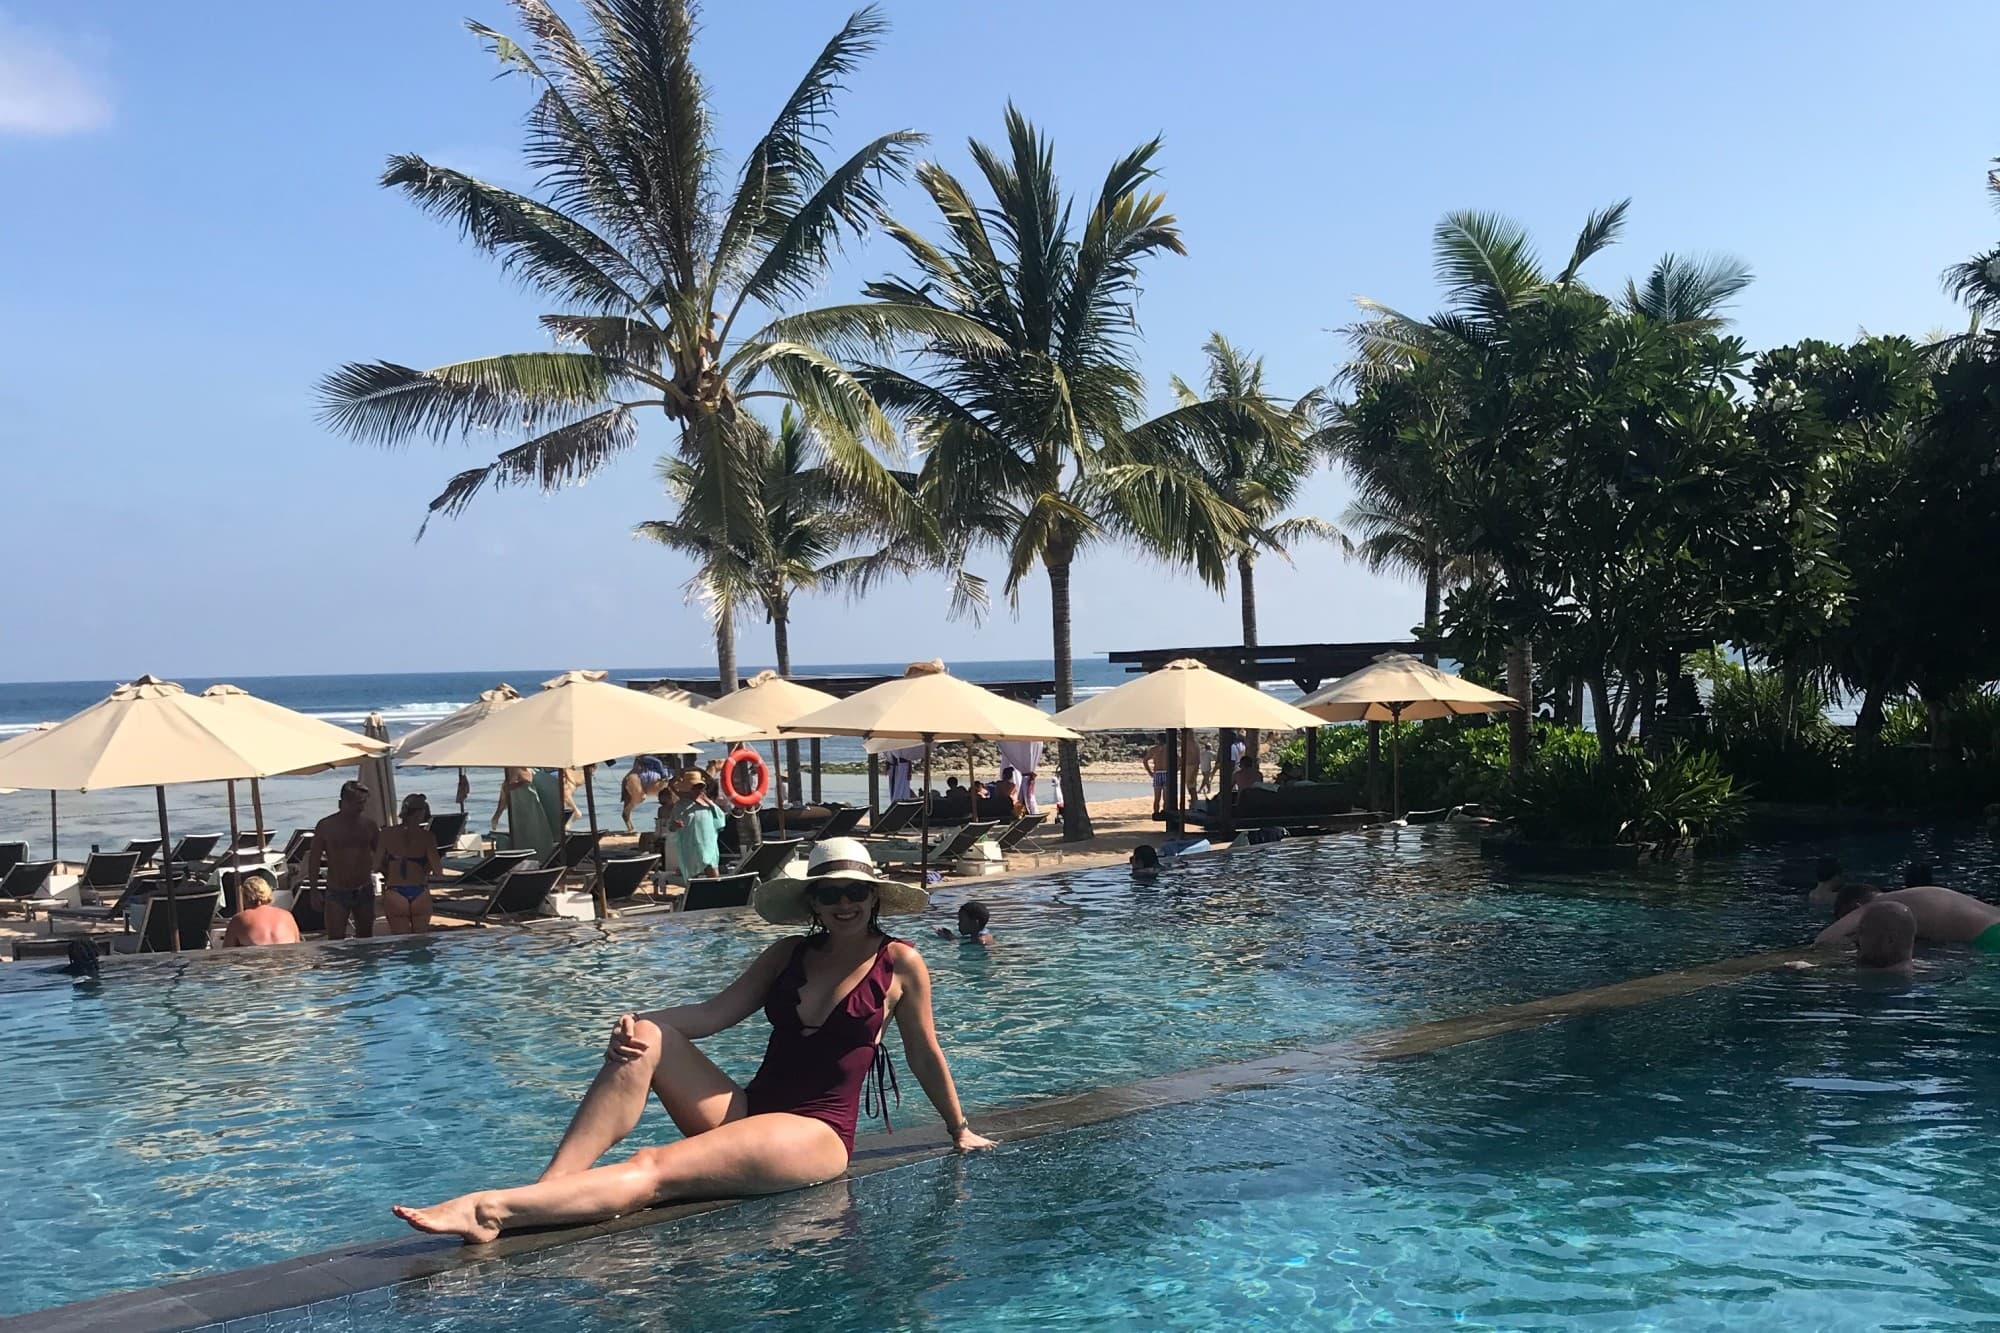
662 271
1032 444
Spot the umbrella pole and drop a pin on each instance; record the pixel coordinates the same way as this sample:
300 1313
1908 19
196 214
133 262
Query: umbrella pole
971 780
1396 760
818 789
235 836
257 814
167 870
596 852
778 787
924 837
459 789
55 848
1174 767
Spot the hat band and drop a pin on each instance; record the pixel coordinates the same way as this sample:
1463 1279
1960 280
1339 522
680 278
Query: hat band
841 868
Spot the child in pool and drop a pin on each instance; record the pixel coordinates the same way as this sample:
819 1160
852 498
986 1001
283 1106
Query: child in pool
972 918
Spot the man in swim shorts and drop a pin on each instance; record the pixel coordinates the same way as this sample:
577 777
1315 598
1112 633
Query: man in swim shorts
1942 916
1885 938
347 841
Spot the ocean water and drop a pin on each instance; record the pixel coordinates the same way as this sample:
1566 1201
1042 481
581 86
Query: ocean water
189 1115
406 702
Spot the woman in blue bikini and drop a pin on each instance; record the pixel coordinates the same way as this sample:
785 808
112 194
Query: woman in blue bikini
409 861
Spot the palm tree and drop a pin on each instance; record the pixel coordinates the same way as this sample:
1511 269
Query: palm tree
807 515
1028 446
653 261
1258 467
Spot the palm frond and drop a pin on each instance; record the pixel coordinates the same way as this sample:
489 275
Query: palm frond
1600 230
1485 262
384 403
1688 292
557 458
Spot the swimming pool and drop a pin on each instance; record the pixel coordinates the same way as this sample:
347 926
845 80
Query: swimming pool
1800 1151
189 1116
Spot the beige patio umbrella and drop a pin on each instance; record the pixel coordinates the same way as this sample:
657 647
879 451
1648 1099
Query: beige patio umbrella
498 697
760 706
152 733
240 700
929 704
55 853
1183 696
378 774
577 720
1396 686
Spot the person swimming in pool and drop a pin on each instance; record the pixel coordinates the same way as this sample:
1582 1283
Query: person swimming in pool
972 918
1145 862
1942 916
828 995
1826 884
408 861
1885 937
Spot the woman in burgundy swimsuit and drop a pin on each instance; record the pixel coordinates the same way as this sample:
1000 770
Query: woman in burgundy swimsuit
828 995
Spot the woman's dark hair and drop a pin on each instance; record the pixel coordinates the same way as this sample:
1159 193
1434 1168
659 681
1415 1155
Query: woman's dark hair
977 911
1918 872
416 800
1825 868
1144 855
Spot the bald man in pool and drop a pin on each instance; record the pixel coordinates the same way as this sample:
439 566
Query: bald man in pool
1942 916
1885 938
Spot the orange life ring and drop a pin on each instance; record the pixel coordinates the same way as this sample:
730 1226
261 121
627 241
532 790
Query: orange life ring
743 800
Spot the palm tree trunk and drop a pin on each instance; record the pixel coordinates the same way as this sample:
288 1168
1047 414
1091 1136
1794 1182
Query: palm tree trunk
1520 684
781 643
1246 576
1601 714
1069 764
725 649
1433 599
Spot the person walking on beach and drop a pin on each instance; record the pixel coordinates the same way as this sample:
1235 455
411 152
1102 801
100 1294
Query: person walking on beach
409 861
828 994
347 841
696 823
640 785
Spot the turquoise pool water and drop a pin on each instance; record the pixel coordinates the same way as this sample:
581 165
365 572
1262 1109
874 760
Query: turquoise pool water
191 1116
1804 1151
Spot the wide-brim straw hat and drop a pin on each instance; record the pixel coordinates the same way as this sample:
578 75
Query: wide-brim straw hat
784 901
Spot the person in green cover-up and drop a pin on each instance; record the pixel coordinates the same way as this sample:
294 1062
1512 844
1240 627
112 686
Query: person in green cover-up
528 819
696 823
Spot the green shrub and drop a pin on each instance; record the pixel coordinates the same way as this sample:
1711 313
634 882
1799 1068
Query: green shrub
1573 796
1445 761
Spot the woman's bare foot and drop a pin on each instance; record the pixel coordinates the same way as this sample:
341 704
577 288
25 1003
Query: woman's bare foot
459 1217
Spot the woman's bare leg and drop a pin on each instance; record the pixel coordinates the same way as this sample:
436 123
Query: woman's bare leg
760 1154
420 914
396 911
697 1094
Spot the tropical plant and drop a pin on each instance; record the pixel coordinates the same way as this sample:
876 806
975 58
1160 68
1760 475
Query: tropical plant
663 272
1032 445
1583 797
1259 464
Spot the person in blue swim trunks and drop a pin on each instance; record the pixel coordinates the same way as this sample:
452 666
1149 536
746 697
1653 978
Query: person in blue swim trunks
408 862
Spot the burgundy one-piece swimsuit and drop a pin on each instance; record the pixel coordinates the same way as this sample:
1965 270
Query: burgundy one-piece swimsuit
822 1073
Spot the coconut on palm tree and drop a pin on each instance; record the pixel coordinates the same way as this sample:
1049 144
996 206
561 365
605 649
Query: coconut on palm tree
670 280
1033 446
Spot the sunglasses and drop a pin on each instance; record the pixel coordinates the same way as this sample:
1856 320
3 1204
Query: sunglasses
826 895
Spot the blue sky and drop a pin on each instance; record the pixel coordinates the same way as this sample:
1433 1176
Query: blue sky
193 236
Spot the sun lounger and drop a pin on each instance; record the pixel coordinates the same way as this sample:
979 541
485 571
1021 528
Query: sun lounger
193 913
11 855
705 895
897 818
106 875
1018 832
944 854
624 877
114 913
148 848
252 840
20 886
296 845
840 824
448 828
194 848
771 856
572 851
523 893
488 872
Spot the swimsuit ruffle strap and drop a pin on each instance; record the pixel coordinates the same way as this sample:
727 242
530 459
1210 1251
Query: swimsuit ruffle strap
876 1090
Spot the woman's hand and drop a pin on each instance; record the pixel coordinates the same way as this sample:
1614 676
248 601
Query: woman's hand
626 1043
967 1141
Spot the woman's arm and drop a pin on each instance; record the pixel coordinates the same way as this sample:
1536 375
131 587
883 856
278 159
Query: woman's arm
736 1001
921 1049
1842 929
